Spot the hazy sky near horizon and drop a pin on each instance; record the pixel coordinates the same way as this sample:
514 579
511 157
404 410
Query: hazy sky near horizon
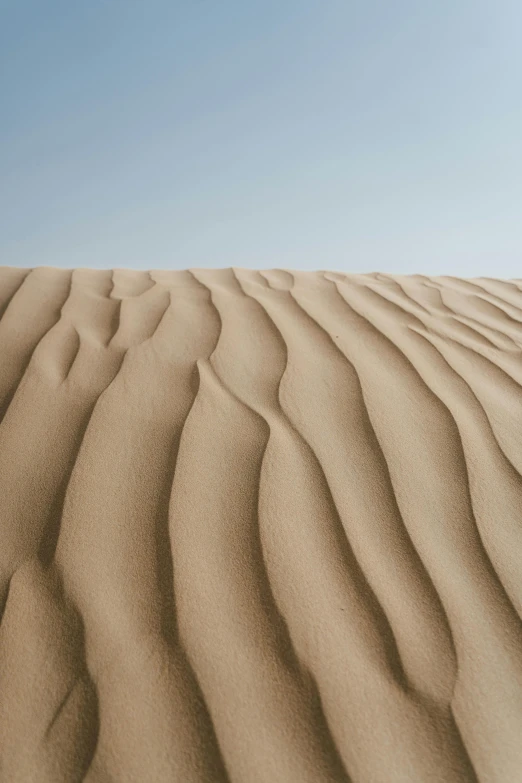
309 134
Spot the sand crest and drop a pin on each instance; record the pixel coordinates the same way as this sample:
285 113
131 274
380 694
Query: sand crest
260 527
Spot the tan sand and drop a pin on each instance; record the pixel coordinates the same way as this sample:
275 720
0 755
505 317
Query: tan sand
260 527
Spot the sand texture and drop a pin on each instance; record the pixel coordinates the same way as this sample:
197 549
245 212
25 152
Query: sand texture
260 527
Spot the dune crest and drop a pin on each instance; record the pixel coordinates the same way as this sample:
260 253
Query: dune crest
260 526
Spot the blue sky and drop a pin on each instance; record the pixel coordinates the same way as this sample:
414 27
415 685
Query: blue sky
358 136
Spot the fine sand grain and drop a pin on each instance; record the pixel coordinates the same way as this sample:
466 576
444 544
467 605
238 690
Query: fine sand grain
260 527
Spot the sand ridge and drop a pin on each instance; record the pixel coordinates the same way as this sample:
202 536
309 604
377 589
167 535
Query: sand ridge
260 526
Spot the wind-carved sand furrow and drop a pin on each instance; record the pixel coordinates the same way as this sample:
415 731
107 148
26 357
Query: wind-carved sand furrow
127 284
61 707
496 381
259 526
312 754
492 321
415 356
418 357
504 290
458 768
31 313
481 296
465 328
292 318
494 338
503 498
232 602
484 626
69 392
284 436
48 711
146 688
363 455
115 321
401 297
70 353
504 366
44 525
404 284
453 316
398 342
455 326
11 281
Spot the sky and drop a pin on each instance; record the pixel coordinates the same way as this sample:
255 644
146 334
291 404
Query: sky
313 134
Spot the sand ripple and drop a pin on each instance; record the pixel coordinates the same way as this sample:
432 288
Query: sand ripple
260 527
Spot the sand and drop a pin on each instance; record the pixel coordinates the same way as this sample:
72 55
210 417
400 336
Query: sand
260 527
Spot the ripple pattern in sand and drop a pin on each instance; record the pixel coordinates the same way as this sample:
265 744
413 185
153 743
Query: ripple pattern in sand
260 526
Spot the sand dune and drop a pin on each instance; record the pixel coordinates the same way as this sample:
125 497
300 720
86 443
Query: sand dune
260 527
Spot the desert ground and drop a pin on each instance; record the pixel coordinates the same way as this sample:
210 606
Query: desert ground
260 527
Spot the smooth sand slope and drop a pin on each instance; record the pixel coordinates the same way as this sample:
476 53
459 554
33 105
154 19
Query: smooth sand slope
260 527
